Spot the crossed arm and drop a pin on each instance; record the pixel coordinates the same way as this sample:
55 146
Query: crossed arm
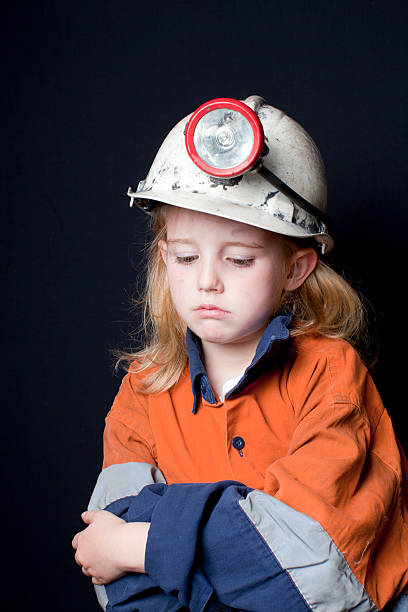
110 547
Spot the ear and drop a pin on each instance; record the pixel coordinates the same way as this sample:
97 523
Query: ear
301 265
163 250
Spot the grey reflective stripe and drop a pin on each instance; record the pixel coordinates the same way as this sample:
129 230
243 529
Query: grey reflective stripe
308 554
121 480
114 482
101 595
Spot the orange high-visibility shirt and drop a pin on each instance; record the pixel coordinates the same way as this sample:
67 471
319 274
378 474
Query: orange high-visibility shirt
314 434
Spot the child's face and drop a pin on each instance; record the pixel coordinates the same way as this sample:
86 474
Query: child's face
226 278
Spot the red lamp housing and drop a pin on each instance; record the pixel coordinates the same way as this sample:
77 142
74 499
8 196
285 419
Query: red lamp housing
234 138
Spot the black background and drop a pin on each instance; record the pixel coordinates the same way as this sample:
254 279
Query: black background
89 90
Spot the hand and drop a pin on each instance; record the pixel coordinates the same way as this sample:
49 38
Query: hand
110 547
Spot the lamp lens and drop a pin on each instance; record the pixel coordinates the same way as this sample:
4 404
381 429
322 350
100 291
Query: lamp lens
223 138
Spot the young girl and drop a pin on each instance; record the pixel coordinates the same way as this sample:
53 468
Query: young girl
249 463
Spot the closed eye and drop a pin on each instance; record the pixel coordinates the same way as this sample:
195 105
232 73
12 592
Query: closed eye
242 262
186 259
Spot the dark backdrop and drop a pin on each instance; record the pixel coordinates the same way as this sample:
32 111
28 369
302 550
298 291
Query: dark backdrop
89 90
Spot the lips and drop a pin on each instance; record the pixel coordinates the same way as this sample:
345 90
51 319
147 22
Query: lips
211 311
209 307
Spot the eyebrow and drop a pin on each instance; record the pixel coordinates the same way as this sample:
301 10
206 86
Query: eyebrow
179 241
251 245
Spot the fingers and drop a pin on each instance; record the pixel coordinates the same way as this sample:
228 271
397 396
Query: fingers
88 516
87 572
77 560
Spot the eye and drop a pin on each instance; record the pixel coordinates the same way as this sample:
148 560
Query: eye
186 259
242 262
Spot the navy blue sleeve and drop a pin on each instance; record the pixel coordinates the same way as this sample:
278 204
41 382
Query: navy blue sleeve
143 592
201 546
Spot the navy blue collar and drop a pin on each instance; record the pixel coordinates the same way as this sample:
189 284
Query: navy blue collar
273 336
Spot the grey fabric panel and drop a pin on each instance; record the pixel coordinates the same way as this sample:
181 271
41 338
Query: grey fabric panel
121 480
114 482
101 595
400 604
309 555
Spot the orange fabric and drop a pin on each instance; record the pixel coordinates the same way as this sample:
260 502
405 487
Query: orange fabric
317 437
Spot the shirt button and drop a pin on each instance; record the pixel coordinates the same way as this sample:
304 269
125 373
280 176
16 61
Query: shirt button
238 443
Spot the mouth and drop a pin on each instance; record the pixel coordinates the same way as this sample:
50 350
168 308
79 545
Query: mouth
211 311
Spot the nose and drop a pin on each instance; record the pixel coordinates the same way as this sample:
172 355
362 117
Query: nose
209 278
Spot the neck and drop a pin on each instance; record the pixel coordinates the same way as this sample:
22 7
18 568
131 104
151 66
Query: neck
225 361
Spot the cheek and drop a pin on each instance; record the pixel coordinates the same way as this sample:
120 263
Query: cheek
177 284
175 276
265 282
264 293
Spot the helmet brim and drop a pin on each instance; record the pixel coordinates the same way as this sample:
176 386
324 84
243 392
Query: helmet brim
251 215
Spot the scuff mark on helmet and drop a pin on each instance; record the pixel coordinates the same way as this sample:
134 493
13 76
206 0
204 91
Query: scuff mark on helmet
306 221
268 197
143 187
279 215
163 168
176 172
225 182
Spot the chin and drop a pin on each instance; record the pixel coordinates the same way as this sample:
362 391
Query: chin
212 337
206 334
216 340
220 337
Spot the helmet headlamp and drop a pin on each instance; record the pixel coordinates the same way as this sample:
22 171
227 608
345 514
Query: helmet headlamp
224 137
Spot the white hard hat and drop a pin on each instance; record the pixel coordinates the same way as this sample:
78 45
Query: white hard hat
246 161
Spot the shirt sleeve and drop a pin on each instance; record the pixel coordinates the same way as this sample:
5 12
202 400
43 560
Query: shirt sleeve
129 448
129 465
128 435
343 468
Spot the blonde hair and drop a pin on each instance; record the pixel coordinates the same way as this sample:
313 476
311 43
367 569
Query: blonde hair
325 304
